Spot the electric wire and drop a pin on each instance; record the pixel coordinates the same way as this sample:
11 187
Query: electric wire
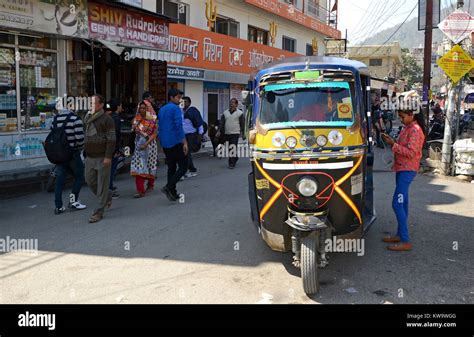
400 26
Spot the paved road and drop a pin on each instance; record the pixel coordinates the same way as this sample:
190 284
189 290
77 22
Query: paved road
206 250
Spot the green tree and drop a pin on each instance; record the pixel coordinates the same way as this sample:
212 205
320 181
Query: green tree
410 71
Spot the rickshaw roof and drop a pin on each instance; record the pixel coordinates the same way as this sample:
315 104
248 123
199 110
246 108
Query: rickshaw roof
321 62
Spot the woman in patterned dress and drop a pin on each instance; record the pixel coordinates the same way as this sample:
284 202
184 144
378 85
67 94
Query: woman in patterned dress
145 157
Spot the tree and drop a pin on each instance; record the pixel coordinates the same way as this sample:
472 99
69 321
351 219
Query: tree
411 71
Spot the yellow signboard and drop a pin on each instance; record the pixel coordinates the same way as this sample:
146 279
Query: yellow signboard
456 63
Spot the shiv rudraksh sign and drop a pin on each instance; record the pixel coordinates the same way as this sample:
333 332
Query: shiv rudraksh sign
129 28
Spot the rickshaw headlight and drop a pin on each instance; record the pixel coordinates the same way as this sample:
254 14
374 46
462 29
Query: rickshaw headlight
321 140
278 139
335 137
291 142
307 186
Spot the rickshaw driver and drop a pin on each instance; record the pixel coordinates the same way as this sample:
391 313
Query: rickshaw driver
315 111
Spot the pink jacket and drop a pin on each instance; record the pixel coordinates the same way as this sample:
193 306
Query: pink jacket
407 151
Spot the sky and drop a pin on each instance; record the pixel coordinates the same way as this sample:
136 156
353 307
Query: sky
363 18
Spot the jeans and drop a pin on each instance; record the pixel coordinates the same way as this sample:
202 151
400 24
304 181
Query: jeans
233 140
113 170
400 202
77 167
175 157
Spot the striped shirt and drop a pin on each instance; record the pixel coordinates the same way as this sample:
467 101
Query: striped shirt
74 128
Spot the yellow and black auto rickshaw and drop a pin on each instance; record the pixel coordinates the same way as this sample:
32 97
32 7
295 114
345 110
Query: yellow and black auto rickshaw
308 121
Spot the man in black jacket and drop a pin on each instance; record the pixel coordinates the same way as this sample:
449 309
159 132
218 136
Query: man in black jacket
114 108
193 129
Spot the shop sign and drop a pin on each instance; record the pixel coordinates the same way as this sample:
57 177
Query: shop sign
289 12
67 17
208 50
456 63
127 27
457 26
184 72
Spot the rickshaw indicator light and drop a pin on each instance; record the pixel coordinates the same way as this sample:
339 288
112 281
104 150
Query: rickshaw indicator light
278 139
291 142
307 186
321 140
335 137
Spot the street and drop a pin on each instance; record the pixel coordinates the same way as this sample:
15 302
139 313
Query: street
207 250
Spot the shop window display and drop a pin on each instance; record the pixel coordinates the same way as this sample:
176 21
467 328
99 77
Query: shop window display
8 109
38 88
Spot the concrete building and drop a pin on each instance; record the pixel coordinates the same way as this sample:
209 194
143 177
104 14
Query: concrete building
246 34
384 61
121 48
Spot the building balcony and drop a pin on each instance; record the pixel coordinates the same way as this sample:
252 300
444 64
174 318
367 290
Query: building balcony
307 13
313 9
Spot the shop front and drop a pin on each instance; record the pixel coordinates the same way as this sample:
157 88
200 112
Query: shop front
32 75
64 52
217 68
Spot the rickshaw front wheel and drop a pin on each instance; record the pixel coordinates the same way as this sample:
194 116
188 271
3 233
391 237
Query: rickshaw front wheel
309 264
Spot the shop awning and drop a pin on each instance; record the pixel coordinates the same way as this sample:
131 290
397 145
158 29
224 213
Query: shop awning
157 55
143 53
112 46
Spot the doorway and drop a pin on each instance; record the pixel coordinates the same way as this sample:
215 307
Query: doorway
212 108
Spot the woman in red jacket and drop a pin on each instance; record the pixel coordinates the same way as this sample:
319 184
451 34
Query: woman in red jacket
407 152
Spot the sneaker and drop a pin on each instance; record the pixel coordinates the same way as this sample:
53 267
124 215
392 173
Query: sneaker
190 175
59 210
115 195
77 205
169 194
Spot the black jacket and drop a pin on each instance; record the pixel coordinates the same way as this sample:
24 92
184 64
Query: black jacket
118 125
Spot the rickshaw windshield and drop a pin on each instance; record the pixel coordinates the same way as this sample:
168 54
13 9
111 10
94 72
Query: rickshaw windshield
325 103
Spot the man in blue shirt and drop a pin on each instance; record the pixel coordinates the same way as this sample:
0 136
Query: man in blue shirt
173 142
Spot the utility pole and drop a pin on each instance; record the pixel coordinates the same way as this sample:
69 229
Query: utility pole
427 58
446 157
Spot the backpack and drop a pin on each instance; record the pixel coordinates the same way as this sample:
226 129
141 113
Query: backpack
56 145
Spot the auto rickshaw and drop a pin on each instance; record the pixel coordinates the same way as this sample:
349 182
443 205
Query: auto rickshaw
308 124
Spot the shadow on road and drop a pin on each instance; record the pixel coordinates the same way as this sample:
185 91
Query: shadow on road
213 226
